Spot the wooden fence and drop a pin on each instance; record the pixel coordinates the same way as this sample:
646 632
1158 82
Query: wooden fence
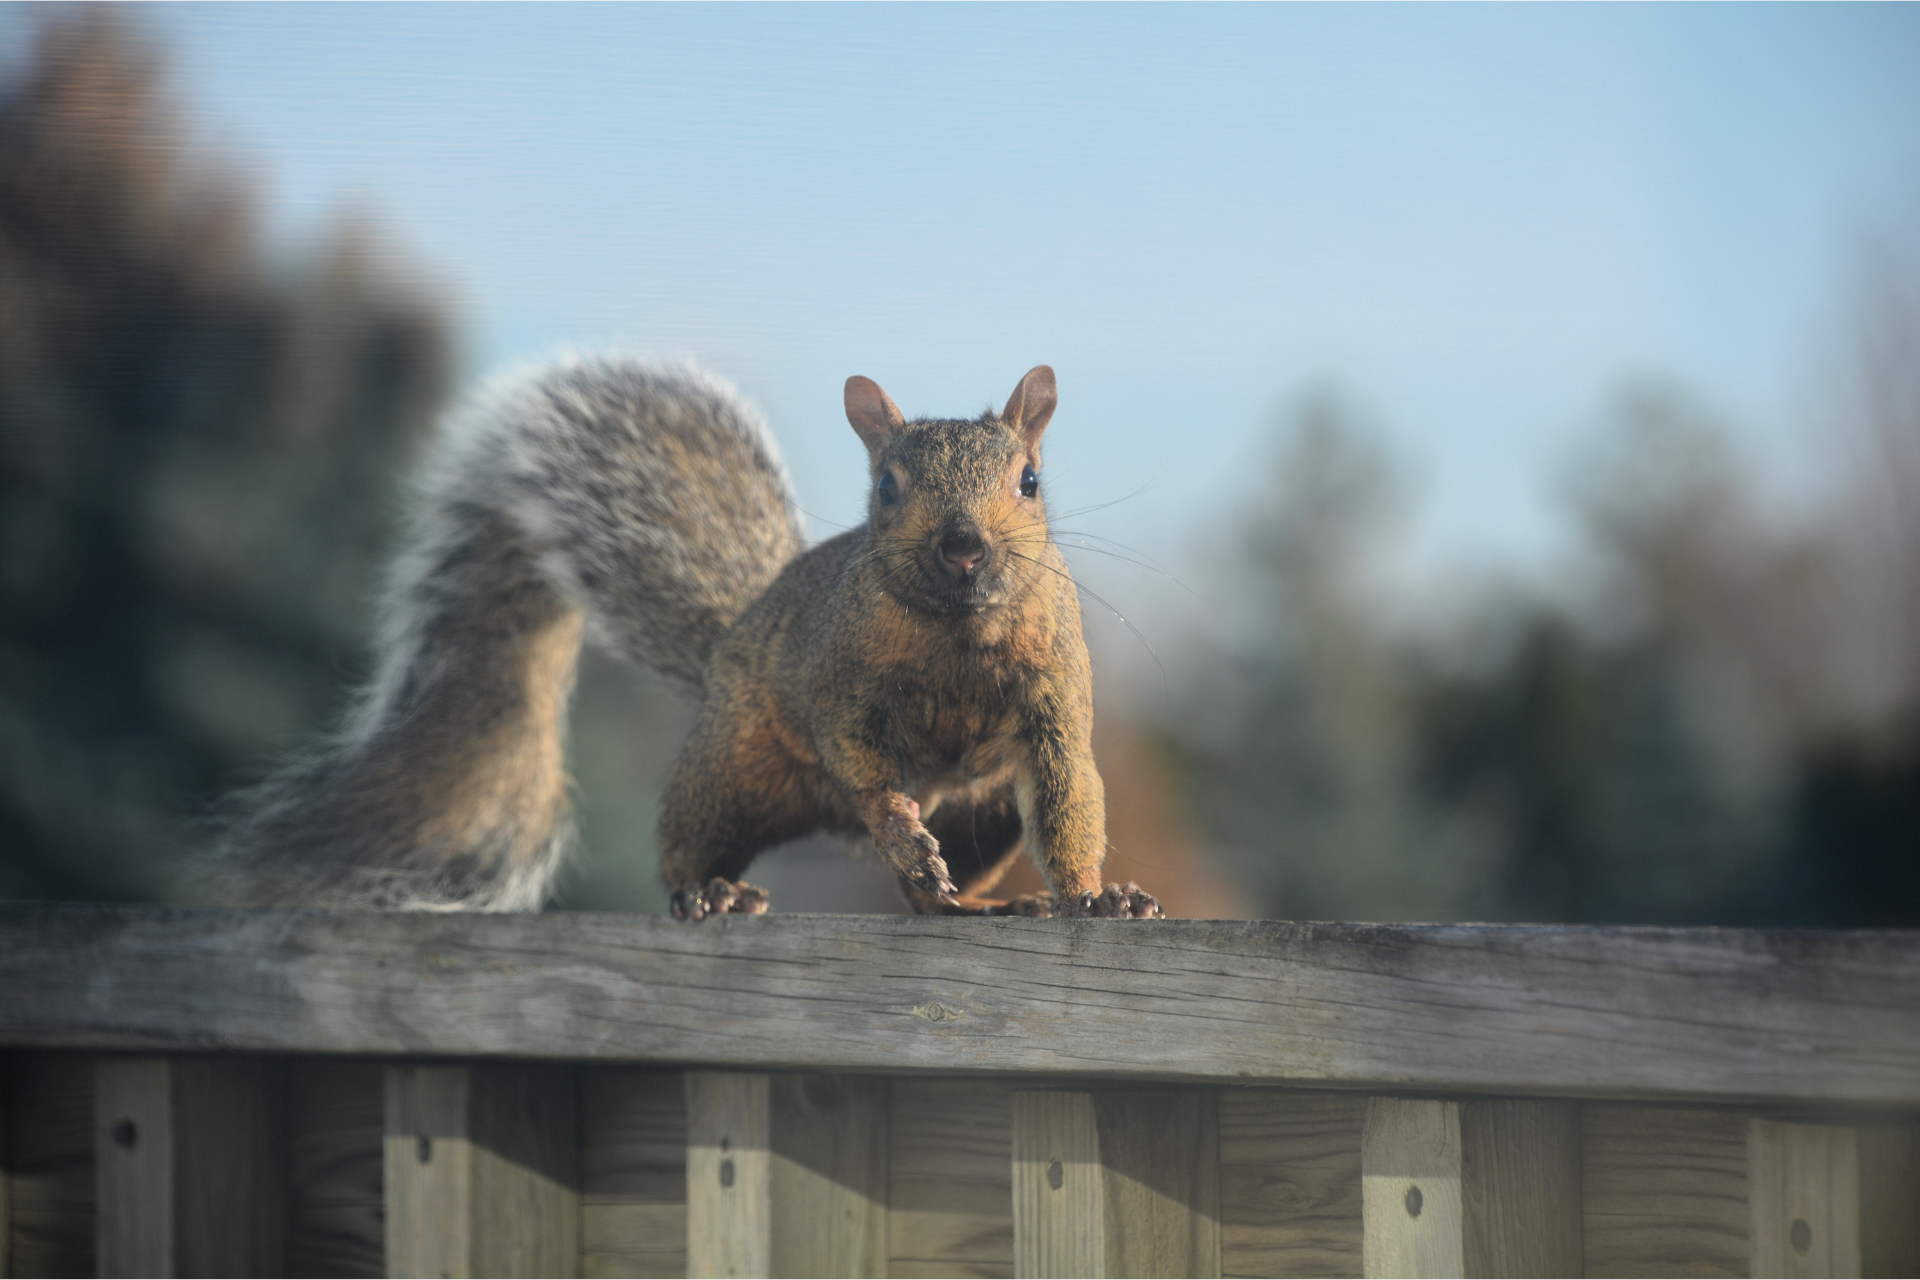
226 1093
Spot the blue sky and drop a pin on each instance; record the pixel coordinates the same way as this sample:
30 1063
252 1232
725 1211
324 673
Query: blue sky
1478 219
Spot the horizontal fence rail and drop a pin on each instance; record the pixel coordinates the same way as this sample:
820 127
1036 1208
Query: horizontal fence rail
268 1093
1563 1011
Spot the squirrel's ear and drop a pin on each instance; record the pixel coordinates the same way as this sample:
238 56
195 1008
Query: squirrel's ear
872 412
1031 405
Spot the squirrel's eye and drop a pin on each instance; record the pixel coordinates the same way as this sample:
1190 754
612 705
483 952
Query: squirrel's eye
1029 481
888 489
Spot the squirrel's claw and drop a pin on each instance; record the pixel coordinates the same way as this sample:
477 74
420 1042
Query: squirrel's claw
719 898
914 855
1116 902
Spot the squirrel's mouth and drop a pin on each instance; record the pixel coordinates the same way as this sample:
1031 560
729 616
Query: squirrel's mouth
970 592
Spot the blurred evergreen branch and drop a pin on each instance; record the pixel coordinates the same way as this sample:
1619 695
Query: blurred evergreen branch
198 452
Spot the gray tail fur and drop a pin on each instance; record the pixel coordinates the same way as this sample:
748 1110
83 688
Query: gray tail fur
641 506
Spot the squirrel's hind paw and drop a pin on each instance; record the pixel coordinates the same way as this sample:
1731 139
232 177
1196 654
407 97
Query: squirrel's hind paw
719 898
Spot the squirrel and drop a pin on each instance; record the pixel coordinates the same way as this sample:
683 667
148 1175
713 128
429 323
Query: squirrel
919 680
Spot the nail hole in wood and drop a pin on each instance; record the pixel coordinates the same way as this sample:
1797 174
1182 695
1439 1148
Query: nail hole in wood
1055 1175
726 1173
1802 1236
125 1134
426 1149
1414 1201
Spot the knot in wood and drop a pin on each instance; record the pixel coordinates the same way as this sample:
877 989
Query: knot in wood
934 1011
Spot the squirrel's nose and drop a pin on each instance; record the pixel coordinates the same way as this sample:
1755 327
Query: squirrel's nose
963 549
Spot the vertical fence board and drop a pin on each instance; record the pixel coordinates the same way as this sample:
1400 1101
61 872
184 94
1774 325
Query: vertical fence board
1520 1183
729 1173
229 1170
336 1215
49 1162
428 1170
481 1168
525 1126
1160 1161
633 1194
1803 1199
829 1175
1664 1191
133 1166
950 1179
1410 1189
1290 1182
1890 1200
1057 1186
1116 1183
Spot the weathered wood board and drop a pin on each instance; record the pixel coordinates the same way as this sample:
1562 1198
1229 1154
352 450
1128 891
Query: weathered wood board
633 1196
49 1164
1726 1015
1290 1182
336 1208
950 1174
1664 1191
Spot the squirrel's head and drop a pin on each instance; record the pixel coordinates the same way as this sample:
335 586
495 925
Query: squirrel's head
956 513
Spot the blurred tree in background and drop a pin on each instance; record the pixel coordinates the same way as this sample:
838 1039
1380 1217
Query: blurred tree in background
198 452
1714 722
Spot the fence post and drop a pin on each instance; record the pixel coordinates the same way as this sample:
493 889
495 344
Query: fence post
482 1171
1116 1183
1470 1189
187 1167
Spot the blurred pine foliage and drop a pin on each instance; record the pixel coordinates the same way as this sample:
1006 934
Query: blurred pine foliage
199 452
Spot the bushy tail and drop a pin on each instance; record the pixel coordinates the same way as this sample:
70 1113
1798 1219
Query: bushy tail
640 505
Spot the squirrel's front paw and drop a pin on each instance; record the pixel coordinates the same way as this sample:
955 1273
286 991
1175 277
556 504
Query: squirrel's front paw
1122 902
719 898
910 850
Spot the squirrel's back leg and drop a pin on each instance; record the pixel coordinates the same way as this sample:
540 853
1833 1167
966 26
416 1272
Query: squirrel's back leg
735 792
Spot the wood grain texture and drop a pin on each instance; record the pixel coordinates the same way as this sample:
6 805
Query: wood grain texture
950 1175
829 1175
526 1170
1411 1201
633 1212
729 1173
1290 1182
133 1166
1890 1200
481 1171
229 1171
1544 1011
1160 1163
1058 1227
49 1163
1803 1199
1664 1191
428 1172
1520 1187
336 1215
1116 1183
